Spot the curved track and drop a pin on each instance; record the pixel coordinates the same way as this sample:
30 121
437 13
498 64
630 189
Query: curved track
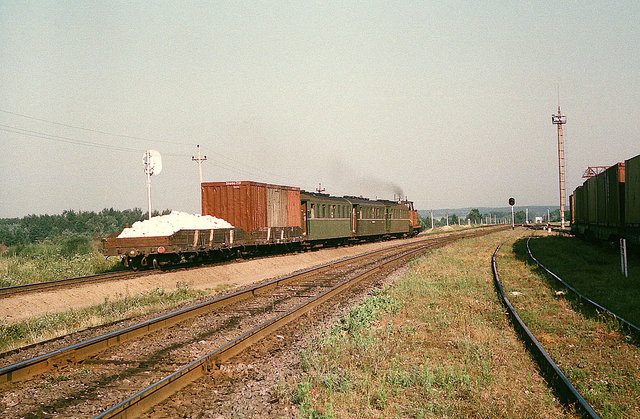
554 375
630 326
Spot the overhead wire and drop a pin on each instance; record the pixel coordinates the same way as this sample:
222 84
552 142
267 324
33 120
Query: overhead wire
131 137
71 140
76 141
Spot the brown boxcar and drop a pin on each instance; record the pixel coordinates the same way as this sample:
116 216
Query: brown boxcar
252 205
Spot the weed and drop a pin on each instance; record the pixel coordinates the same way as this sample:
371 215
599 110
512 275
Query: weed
71 257
48 325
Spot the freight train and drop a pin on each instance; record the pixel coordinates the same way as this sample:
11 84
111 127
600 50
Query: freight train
265 216
607 205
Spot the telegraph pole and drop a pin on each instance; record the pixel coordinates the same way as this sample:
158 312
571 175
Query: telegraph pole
199 160
559 119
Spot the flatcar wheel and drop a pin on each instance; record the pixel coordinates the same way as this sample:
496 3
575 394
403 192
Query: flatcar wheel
155 263
134 263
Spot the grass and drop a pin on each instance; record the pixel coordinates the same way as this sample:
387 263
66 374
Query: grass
67 258
591 351
436 343
592 268
47 326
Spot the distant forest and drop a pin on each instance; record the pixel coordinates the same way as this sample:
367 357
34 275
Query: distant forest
37 228
482 215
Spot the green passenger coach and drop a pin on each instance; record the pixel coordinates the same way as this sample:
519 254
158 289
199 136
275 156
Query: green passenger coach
324 217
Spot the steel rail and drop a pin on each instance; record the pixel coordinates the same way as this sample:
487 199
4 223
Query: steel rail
555 376
159 391
67 282
632 327
81 350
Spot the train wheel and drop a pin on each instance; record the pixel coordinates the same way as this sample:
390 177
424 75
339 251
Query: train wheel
155 263
133 263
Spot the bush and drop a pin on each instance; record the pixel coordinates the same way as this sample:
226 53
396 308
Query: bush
75 245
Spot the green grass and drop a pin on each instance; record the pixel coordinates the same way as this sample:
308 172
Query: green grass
70 257
591 268
592 351
55 324
435 344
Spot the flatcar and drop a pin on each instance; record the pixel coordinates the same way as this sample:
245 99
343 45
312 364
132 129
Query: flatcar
265 216
607 206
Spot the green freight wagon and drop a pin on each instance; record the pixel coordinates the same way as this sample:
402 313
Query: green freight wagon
632 199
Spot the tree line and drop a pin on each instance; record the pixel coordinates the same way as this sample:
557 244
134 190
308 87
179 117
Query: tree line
477 218
38 228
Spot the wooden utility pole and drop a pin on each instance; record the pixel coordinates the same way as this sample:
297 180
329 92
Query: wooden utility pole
199 160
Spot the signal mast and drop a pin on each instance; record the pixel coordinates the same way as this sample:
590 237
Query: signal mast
559 119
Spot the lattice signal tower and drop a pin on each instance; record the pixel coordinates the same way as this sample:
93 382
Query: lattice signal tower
559 119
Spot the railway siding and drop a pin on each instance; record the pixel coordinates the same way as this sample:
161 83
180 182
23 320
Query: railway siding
598 360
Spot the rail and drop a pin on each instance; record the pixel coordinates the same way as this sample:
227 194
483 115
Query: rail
159 391
555 376
67 282
630 326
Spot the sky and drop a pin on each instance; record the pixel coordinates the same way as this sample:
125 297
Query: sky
448 103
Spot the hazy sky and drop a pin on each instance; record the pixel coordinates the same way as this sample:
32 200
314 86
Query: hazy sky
450 101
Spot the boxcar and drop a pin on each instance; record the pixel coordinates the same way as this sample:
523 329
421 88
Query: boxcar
607 206
268 213
632 199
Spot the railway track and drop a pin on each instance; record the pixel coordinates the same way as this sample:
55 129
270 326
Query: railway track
595 306
554 375
109 276
163 362
67 282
